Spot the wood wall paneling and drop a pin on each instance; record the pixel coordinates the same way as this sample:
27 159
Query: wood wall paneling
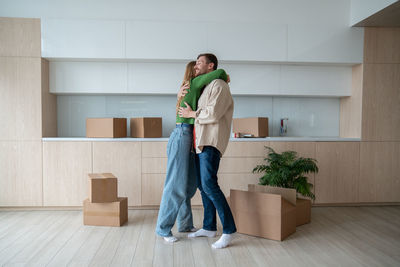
20 37
123 159
154 149
20 103
65 172
379 172
20 173
382 45
49 104
381 102
338 176
351 107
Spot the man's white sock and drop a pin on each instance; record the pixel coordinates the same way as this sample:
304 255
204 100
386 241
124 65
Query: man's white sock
224 241
170 239
203 232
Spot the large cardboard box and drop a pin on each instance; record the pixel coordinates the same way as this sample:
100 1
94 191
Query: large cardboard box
106 127
257 126
103 187
105 214
303 206
303 211
146 127
263 214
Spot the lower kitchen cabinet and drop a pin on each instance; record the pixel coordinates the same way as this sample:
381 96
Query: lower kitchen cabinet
123 159
65 172
379 172
20 173
339 170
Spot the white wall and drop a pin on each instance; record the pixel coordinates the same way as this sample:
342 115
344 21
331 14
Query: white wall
307 116
362 9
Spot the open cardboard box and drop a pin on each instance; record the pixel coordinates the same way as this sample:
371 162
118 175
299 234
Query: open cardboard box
269 212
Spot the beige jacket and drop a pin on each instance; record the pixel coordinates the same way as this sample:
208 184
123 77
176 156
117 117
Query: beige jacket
214 117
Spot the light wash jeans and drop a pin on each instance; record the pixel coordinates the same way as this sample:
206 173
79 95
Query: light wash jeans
180 182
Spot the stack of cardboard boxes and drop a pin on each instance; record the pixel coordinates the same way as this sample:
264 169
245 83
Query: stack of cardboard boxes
117 127
104 207
269 212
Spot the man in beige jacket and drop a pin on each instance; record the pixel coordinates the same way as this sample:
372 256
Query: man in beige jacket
213 120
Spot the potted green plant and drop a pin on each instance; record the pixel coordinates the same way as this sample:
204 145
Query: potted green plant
287 170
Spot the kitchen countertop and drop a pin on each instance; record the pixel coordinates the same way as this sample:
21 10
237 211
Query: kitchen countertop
164 139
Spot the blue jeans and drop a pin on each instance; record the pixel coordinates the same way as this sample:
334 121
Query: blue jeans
213 198
180 182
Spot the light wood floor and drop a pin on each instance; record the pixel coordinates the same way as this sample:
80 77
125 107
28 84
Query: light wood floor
339 236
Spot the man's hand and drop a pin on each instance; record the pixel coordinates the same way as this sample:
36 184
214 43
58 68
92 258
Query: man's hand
228 80
186 112
183 90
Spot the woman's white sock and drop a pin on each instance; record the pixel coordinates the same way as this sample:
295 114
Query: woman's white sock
170 239
203 232
224 241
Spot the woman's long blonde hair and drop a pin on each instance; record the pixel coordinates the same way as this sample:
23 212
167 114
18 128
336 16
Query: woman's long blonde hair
189 74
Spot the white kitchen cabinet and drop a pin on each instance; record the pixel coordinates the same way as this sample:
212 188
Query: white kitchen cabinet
315 80
325 43
247 41
155 78
83 38
165 39
88 77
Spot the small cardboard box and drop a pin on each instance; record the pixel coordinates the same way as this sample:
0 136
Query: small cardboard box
146 127
105 214
263 214
303 206
257 126
103 187
106 127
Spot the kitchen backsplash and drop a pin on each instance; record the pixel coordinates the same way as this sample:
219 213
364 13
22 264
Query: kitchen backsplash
307 116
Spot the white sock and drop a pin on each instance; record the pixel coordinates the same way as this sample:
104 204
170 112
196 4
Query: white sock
170 239
203 232
224 241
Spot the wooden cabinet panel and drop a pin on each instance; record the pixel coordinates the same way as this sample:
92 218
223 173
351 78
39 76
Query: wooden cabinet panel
238 181
246 149
337 180
20 103
65 172
154 149
20 173
154 165
123 159
49 104
381 103
20 37
381 45
379 172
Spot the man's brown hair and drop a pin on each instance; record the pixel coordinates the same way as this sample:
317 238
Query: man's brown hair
211 58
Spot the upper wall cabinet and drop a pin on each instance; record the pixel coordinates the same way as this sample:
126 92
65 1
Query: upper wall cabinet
323 43
67 38
184 40
165 40
247 41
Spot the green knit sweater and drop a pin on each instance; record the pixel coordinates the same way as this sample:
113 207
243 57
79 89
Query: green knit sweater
197 85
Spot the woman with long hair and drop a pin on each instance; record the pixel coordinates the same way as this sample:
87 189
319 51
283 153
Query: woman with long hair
180 182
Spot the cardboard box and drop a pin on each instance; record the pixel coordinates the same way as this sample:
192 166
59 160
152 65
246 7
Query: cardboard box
105 214
303 206
146 127
106 127
257 126
263 214
303 211
103 187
